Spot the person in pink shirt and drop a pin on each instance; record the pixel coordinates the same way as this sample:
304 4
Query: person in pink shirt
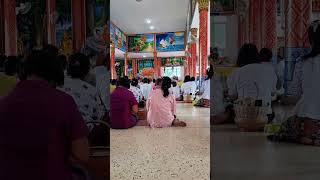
161 107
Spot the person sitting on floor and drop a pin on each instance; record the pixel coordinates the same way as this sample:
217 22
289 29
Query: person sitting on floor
304 126
123 106
161 107
176 91
46 134
84 94
135 90
145 88
205 89
9 79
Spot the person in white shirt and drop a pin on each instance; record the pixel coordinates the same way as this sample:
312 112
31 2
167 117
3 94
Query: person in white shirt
135 90
176 90
307 96
187 88
194 85
266 57
252 79
145 88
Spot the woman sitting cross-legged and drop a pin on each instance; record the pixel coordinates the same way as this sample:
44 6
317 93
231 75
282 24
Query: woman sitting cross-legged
161 107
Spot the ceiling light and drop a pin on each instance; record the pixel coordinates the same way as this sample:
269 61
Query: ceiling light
151 27
144 56
148 21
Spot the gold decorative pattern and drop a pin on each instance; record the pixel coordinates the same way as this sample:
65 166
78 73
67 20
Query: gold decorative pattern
194 32
203 5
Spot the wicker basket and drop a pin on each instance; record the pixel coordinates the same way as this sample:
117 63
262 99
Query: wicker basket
250 118
187 98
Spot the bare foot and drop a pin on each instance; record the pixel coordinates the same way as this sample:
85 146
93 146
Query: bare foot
178 123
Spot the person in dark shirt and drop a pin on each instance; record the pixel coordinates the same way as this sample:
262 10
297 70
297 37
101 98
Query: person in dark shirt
42 133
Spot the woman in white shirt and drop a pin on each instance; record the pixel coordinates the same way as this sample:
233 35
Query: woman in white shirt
305 126
252 79
175 89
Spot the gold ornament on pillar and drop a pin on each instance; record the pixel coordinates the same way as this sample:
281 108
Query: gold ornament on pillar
194 32
203 5
66 44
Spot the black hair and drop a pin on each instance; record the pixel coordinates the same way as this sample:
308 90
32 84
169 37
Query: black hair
78 66
265 55
159 81
114 82
187 78
210 72
174 83
145 80
126 77
123 82
314 39
154 80
44 65
192 79
165 86
248 54
11 66
51 49
134 82
62 59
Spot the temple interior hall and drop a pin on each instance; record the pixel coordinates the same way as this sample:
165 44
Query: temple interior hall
161 39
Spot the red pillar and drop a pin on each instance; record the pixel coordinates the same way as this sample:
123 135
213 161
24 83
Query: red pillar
51 24
203 11
297 21
10 27
78 23
134 67
193 51
155 63
112 62
126 64
269 26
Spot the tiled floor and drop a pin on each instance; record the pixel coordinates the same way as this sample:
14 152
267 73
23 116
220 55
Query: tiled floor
163 154
250 156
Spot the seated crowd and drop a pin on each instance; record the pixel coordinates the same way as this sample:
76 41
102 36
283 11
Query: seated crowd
46 102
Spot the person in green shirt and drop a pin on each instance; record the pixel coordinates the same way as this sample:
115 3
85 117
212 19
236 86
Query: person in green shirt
8 79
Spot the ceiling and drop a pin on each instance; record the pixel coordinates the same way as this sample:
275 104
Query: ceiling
165 15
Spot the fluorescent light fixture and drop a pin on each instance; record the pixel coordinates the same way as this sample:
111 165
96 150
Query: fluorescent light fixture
148 21
144 56
151 27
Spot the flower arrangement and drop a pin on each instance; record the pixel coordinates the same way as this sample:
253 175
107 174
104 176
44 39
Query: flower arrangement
147 72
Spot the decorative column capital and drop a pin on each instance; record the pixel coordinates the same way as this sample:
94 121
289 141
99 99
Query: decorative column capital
203 5
194 32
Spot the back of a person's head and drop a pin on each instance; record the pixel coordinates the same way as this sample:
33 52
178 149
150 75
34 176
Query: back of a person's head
43 65
78 66
174 83
192 79
51 49
314 39
165 86
124 82
248 54
11 66
154 80
145 80
114 82
265 55
62 59
134 82
187 78
159 81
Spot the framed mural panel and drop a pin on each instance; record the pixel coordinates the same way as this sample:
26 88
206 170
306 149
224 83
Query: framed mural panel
172 41
118 37
31 27
316 5
141 43
223 6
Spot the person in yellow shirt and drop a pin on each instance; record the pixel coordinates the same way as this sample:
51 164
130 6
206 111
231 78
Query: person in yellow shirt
8 79
113 85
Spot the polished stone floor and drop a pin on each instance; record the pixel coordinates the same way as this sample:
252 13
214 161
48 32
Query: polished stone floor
250 156
164 154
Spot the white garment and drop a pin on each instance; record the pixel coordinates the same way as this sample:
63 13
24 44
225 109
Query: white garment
206 89
307 73
257 81
103 84
176 91
187 88
194 86
217 95
146 89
